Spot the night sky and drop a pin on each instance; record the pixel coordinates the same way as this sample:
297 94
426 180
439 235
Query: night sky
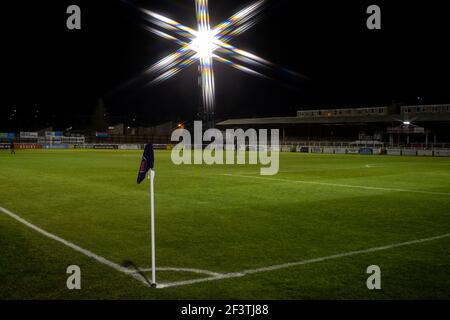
62 73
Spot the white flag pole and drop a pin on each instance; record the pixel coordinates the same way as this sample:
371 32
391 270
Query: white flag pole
152 224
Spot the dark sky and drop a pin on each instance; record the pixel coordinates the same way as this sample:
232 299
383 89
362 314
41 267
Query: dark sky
63 73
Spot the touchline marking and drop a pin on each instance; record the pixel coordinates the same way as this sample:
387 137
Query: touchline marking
74 246
338 185
214 276
134 273
373 166
306 170
302 262
200 271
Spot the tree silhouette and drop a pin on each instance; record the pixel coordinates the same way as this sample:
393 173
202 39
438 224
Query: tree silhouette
99 121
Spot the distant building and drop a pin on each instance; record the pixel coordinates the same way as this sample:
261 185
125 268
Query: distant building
116 129
164 129
393 125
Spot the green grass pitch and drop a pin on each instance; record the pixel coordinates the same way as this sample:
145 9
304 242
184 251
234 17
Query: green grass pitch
225 219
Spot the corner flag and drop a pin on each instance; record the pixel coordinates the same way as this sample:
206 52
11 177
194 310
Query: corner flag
147 162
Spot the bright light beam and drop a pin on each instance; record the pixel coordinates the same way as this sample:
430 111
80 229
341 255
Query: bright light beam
205 45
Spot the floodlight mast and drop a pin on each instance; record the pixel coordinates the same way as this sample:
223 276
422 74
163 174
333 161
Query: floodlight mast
205 112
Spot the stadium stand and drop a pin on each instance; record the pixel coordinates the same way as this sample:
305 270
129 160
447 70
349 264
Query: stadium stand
405 130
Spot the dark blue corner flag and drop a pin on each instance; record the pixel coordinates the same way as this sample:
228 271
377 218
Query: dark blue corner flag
147 162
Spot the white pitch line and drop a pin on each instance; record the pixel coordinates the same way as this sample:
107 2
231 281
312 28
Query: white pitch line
131 272
214 275
302 262
303 171
74 246
192 270
339 185
373 166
